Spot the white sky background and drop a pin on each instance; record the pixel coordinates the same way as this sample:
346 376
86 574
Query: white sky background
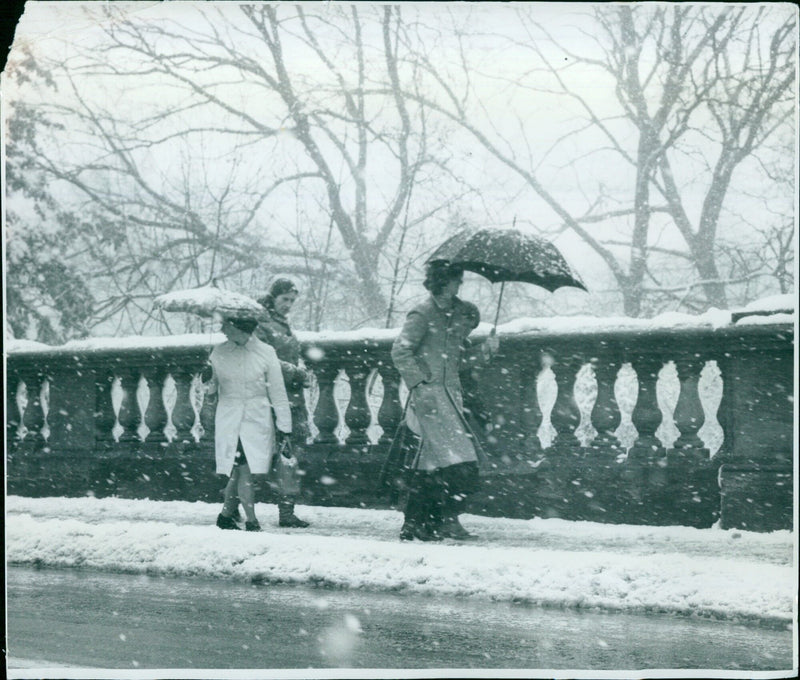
55 28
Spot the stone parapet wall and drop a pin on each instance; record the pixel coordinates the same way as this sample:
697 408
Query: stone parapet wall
629 425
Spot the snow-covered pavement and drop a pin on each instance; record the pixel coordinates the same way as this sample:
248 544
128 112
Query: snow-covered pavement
705 572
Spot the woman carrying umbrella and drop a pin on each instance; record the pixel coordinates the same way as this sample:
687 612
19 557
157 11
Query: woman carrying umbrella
247 375
275 330
428 353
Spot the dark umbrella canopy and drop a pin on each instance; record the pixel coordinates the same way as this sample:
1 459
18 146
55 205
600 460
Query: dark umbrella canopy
508 255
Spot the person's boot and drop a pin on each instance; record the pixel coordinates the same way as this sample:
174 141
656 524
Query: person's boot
432 514
286 516
224 522
415 529
416 525
252 526
450 526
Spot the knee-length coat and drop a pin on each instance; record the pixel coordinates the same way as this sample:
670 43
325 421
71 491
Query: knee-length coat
250 384
428 353
275 331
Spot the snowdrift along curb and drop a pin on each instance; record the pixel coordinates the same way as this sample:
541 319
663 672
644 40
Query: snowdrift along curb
698 572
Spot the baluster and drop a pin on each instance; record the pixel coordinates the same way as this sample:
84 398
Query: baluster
22 405
605 414
709 388
169 397
143 401
44 400
626 393
357 415
117 397
326 416
566 416
391 411
341 397
197 395
546 394
646 415
585 394
689 411
668 390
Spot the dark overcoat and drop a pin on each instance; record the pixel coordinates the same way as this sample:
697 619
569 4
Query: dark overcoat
276 332
429 353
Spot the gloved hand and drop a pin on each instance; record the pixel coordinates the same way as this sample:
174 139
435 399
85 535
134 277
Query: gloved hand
492 344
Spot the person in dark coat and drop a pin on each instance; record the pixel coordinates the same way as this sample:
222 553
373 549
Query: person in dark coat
429 352
274 329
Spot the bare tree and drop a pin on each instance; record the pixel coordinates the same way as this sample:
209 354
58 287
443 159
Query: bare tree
185 138
698 90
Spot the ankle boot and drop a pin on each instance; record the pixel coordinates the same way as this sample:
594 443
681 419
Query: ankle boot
416 520
286 516
451 527
224 522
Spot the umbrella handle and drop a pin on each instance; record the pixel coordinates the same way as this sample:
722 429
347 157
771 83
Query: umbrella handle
499 302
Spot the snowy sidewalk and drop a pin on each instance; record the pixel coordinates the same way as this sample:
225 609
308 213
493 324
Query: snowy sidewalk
705 572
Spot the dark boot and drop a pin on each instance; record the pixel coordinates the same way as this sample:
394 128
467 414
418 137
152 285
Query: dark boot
433 516
224 522
417 516
252 526
451 527
286 516
415 529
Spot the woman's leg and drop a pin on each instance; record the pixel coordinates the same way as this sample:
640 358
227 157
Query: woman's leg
286 516
225 518
231 499
418 508
459 481
246 492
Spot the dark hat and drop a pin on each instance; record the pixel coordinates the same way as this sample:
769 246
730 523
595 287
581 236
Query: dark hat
244 325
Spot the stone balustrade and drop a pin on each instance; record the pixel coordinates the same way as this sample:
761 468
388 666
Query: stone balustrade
662 425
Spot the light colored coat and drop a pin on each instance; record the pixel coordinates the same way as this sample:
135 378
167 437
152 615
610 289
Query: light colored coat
428 353
250 383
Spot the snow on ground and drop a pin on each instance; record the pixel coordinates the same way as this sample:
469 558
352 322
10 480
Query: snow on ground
550 562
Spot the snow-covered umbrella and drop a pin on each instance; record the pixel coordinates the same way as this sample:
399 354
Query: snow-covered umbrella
210 301
503 255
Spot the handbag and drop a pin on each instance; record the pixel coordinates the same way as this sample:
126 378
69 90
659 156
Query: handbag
400 460
287 470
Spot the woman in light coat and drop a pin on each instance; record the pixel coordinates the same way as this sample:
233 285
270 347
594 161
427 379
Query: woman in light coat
429 353
246 373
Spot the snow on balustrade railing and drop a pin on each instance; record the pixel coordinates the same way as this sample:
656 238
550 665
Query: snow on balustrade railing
356 397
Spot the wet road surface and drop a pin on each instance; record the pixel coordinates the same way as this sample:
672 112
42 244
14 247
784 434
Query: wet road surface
106 620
